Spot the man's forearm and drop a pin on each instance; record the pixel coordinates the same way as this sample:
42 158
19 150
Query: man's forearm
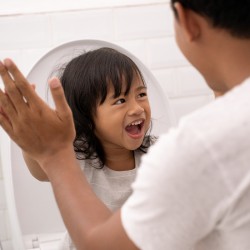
80 208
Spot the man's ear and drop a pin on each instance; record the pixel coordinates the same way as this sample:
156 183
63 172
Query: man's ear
188 21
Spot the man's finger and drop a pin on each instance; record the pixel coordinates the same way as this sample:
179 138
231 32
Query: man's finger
20 81
7 79
8 109
4 114
10 88
6 125
58 96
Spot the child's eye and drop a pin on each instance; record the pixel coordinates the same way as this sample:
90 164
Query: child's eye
142 94
120 101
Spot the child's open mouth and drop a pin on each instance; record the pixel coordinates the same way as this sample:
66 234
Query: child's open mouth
135 128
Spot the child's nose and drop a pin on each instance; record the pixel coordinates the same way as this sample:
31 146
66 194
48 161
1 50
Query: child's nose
135 108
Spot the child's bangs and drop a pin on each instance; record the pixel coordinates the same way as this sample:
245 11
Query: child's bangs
122 76
117 70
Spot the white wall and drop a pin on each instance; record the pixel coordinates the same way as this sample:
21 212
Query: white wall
144 27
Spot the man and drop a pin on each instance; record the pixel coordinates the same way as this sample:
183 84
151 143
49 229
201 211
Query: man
193 188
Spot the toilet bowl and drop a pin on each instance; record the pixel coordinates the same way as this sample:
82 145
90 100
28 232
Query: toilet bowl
34 216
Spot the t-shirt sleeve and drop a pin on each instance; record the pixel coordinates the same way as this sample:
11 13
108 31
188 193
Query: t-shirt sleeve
176 196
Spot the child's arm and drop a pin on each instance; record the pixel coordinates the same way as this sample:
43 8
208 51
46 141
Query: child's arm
34 168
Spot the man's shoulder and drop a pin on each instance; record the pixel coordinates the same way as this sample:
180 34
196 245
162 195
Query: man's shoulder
224 110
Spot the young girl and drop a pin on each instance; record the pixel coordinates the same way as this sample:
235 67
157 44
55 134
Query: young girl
108 98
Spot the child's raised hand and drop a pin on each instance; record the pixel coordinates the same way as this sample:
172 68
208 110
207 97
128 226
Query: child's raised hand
38 129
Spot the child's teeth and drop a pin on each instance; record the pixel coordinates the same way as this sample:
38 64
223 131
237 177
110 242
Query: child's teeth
135 123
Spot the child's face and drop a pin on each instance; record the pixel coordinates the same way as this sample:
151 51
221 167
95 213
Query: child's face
123 121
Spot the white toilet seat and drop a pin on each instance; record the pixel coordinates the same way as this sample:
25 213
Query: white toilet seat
16 240
42 241
31 204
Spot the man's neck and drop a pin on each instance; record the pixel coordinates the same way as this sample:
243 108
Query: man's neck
229 60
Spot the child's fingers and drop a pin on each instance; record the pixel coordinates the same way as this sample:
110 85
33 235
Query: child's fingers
58 96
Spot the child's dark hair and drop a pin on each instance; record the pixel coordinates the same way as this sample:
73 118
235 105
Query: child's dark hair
85 80
232 15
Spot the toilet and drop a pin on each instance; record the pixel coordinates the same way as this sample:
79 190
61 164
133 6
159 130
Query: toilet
35 221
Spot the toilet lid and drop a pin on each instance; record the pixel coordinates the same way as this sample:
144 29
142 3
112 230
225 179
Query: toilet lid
36 208
161 113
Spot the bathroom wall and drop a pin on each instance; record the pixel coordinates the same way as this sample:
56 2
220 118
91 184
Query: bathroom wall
143 27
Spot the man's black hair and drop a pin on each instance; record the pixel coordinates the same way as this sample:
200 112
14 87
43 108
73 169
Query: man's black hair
231 15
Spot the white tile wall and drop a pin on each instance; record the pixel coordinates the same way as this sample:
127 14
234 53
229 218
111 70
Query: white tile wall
164 53
146 30
181 81
186 104
95 24
143 22
136 47
25 32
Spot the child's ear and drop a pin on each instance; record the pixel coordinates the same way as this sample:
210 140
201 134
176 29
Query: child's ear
188 21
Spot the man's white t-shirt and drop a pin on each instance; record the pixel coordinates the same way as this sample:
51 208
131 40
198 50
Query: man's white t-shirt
192 191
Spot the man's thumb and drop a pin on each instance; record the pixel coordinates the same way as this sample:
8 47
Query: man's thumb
58 95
